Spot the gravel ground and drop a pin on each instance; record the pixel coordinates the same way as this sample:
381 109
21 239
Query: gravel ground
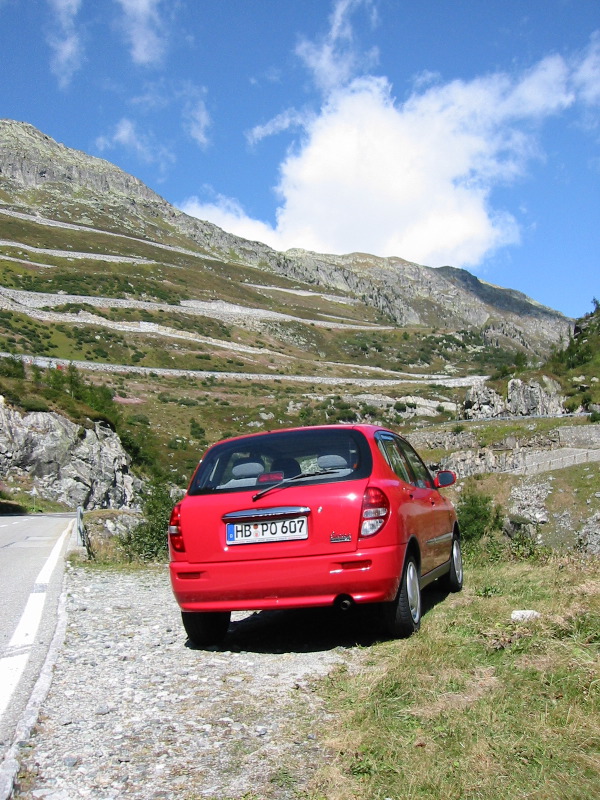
135 712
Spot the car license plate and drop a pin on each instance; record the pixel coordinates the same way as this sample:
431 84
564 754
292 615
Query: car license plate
274 530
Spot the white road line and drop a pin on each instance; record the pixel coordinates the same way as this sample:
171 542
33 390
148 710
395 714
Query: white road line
14 661
48 568
25 631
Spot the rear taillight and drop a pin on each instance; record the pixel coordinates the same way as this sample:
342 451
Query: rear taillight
175 535
375 511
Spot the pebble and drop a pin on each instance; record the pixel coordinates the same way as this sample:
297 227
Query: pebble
134 711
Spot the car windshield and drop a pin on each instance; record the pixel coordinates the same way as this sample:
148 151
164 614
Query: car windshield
309 455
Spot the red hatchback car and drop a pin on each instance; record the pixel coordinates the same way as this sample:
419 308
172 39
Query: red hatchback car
314 516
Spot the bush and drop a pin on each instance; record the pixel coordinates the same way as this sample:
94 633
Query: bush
595 416
196 430
477 515
139 419
30 403
12 367
148 540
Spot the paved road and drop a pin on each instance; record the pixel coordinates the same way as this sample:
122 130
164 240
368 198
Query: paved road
264 377
31 568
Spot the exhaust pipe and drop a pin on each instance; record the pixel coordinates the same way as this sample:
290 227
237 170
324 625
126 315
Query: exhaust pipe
344 602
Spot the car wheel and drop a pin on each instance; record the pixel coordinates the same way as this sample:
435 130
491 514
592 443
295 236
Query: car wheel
402 616
204 628
453 580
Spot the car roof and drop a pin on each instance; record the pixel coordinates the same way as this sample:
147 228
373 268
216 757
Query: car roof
366 428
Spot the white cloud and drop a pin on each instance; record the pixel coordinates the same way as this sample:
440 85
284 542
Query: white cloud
291 118
412 179
65 40
229 215
144 29
196 121
195 117
587 73
390 180
126 135
156 96
334 59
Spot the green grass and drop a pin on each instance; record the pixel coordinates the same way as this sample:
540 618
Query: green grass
475 706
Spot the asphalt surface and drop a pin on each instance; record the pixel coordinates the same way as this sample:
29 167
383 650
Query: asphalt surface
31 571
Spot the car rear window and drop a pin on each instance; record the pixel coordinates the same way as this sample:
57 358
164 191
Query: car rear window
306 456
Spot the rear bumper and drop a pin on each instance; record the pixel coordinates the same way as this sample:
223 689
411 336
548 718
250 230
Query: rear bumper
368 576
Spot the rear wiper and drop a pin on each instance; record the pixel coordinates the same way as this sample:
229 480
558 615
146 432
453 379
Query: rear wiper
285 481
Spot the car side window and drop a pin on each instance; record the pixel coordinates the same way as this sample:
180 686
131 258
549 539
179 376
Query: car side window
395 459
422 479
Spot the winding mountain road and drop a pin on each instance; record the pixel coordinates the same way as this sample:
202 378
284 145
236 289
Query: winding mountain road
318 380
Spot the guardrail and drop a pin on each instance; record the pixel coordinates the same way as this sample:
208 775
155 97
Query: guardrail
83 539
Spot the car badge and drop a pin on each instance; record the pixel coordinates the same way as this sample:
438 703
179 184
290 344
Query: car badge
340 537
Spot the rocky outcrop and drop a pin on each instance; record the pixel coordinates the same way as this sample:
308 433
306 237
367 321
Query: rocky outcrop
67 463
588 537
529 515
531 399
482 460
482 402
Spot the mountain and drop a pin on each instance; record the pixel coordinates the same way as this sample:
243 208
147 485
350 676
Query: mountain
99 209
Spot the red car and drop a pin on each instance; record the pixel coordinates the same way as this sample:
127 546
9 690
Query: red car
314 516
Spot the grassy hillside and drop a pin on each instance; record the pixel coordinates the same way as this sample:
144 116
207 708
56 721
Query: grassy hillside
167 422
578 363
478 706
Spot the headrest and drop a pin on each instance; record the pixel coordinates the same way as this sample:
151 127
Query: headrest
247 469
332 461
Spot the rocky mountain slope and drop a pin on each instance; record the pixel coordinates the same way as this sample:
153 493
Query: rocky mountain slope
40 177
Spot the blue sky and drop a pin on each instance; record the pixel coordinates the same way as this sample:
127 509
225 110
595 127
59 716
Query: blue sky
444 132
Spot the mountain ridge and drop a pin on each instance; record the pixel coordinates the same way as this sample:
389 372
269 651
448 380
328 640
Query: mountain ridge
45 177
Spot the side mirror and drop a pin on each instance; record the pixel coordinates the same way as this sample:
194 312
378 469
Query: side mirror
444 478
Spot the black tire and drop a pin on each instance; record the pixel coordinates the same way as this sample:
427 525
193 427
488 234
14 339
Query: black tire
205 628
453 580
402 617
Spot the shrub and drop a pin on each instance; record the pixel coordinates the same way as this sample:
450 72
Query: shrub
477 515
196 430
148 540
30 403
139 419
370 410
305 414
12 367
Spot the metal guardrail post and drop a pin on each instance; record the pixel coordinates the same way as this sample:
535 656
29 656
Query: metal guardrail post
80 527
83 540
